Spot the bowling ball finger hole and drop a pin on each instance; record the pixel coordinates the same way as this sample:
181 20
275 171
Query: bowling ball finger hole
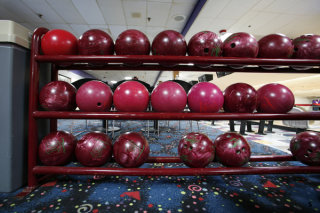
238 151
296 49
98 104
309 151
190 148
206 50
233 45
306 155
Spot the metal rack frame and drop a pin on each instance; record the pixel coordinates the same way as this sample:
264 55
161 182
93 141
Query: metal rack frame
151 63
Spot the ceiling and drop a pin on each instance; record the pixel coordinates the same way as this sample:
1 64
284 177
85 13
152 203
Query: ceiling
258 17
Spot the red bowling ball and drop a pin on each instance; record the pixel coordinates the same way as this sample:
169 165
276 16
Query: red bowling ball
59 42
131 96
205 97
131 150
305 147
57 148
94 96
196 150
240 45
132 42
168 96
94 149
95 42
240 98
232 149
274 98
58 96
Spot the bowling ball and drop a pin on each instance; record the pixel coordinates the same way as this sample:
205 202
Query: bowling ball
132 42
305 147
131 149
94 96
232 149
240 97
59 42
57 148
169 42
274 98
205 97
131 96
196 150
168 96
95 42
94 149
240 45
58 96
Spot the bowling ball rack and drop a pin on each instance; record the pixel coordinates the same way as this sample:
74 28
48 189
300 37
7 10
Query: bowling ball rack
37 172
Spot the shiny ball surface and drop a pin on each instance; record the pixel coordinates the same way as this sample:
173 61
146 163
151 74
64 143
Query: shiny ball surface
305 147
168 96
307 47
205 97
57 148
131 150
205 43
275 46
274 98
59 42
232 149
196 150
240 45
94 149
94 96
132 42
58 96
240 98
131 96
95 42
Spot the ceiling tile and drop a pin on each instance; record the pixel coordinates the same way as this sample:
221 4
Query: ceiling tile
135 12
67 11
179 9
168 1
63 27
275 24
102 27
116 30
79 29
6 14
90 11
158 12
112 11
234 10
153 32
213 8
262 4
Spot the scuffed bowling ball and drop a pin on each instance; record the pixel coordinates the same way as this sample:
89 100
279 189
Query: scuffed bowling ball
274 98
131 150
94 149
168 96
205 97
196 150
131 96
57 148
59 42
58 96
232 149
132 42
95 42
240 97
94 96
305 147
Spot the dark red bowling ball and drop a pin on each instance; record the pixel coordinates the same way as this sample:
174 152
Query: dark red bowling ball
205 97
132 42
131 96
58 96
196 150
168 96
305 147
59 42
57 148
240 45
94 149
95 42
274 98
232 149
131 149
94 96
240 97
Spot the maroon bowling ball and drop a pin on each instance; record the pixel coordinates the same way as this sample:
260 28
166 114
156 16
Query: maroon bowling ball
58 96
240 97
131 96
94 96
168 96
196 150
274 98
131 149
232 149
59 42
205 97
132 42
169 42
240 45
95 42
57 148
305 147
94 149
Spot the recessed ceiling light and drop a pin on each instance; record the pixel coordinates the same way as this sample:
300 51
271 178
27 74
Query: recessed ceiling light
179 17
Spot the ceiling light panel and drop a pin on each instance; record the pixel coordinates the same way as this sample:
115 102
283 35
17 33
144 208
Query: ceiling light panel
135 12
90 11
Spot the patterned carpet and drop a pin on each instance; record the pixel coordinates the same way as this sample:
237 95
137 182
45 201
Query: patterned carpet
226 193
